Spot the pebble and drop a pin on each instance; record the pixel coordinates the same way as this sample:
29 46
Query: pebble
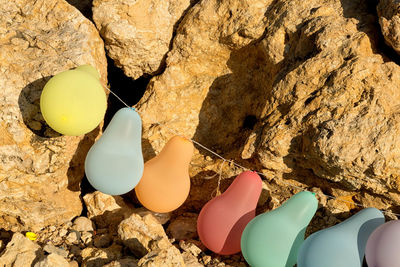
82 224
86 237
190 248
73 237
206 259
49 248
62 232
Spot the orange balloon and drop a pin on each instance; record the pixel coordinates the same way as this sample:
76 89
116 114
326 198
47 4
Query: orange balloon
165 183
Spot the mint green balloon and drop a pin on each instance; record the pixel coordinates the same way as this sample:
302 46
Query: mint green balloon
114 164
272 239
342 245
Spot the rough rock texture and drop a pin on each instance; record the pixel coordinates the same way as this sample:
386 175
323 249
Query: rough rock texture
137 33
145 236
389 19
183 227
94 257
40 171
126 262
309 99
106 210
82 224
20 252
52 260
168 257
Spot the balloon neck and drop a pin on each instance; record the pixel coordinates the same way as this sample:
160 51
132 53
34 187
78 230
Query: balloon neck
300 208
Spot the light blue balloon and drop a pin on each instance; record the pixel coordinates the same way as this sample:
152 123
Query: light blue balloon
343 244
114 164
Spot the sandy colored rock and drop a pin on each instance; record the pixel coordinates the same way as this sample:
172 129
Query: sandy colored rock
142 234
295 89
190 260
169 257
389 19
53 260
126 262
82 224
137 34
106 210
146 239
20 252
183 227
161 217
51 249
40 171
94 257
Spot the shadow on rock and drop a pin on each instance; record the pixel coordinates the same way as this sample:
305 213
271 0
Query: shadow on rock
234 102
29 105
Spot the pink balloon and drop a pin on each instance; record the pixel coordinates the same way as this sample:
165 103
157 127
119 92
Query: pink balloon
222 220
383 246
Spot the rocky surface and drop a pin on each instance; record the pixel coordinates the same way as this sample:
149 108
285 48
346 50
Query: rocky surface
20 251
40 171
147 240
311 99
137 34
389 19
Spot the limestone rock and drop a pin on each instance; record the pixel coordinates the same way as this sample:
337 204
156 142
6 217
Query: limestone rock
40 171
82 224
106 210
93 257
389 19
87 238
161 217
125 262
183 227
20 252
142 234
296 89
137 34
190 260
146 239
190 247
53 260
73 237
51 249
170 257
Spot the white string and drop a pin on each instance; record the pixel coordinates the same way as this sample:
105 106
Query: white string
217 190
118 97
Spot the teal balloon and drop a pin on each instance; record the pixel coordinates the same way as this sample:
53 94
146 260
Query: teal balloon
272 239
343 244
114 164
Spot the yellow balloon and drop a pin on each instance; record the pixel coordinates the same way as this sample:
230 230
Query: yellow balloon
165 183
73 102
